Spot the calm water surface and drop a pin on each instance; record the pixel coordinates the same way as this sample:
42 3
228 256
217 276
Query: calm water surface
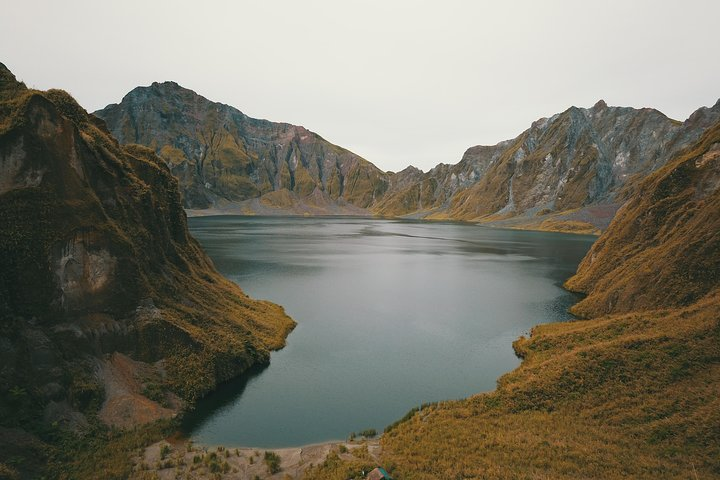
390 314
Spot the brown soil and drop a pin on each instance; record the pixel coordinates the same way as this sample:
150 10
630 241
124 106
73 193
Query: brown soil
124 404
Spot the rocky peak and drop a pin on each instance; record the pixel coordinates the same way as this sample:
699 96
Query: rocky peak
576 159
410 170
600 105
704 115
540 123
8 82
223 156
166 85
6 76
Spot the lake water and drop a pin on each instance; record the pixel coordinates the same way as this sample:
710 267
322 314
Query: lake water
391 314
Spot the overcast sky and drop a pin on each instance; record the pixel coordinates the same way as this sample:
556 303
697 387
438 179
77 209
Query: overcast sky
398 82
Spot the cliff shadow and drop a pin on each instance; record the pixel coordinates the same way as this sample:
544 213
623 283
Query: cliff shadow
223 398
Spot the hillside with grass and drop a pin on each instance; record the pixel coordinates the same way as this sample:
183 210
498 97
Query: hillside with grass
631 391
110 313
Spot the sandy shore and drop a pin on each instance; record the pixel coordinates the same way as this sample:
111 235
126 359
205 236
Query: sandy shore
173 459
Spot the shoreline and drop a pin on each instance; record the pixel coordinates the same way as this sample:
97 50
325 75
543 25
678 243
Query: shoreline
297 458
526 224
172 458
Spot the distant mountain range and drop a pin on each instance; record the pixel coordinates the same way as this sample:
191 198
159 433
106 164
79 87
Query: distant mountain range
568 172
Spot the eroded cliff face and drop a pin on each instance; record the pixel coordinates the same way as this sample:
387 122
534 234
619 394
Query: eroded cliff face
221 155
107 305
414 193
573 160
663 248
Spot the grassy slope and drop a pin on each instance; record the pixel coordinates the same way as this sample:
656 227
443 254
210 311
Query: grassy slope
128 203
630 394
664 248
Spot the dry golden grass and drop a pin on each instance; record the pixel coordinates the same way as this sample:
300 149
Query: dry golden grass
568 226
663 248
631 395
339 466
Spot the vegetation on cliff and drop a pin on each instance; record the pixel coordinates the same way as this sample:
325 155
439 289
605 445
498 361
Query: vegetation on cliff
108 307
663 250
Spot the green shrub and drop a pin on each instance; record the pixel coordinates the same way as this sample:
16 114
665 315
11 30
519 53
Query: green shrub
272 460
164 450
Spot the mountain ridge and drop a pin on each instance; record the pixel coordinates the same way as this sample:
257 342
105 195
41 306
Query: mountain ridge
480 200
222 155
566 172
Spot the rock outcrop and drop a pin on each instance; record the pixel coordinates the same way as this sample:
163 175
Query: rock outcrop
223 156
105 298
577 159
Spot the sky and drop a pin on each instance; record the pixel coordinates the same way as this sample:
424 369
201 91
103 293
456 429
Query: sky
398 82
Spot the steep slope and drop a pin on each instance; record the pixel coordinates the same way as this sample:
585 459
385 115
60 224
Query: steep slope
663 250
221 155
631 392
108 307
414 193
579 158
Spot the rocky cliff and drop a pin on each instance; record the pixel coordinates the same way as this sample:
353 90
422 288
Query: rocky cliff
580 158
222 156
567 172
108 307
663 248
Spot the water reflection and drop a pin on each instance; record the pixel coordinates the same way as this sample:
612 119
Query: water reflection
222 400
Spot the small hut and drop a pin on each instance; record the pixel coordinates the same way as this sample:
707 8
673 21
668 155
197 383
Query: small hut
379 474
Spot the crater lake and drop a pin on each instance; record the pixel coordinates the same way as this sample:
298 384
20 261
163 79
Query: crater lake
391 314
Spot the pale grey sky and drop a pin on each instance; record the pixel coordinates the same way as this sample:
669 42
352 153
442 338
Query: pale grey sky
398 82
